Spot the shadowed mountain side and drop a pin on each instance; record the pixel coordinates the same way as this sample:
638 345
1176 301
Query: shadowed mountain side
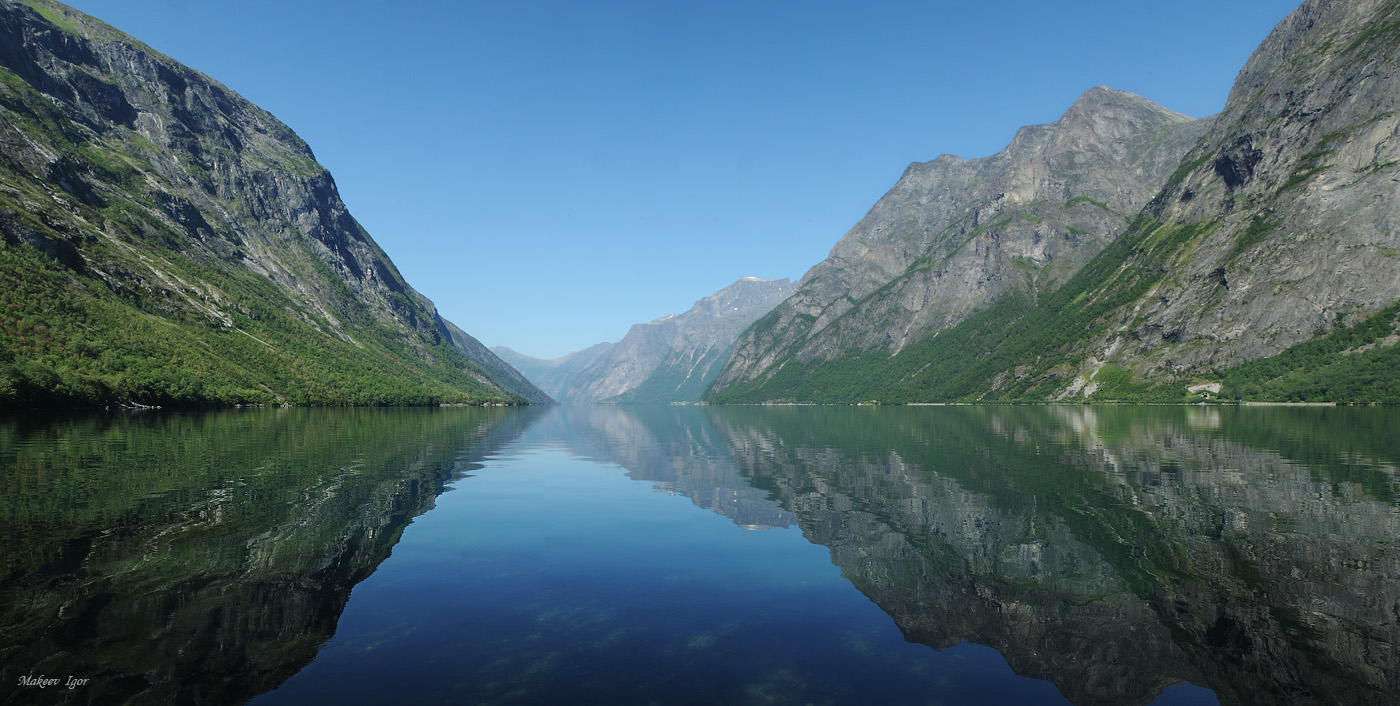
496 369
553 376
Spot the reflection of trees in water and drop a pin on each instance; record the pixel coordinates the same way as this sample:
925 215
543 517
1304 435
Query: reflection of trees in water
204 558
1111 550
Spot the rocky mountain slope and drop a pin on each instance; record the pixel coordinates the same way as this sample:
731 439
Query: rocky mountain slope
1291 200
671 359
1264 268
954 235
167 242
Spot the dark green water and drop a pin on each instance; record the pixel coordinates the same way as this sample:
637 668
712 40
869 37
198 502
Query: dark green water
949 555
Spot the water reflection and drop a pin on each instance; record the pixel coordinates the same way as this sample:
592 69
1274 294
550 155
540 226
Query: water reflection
1113 551
675 448
204 558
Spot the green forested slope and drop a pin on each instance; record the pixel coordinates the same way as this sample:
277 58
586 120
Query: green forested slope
163 241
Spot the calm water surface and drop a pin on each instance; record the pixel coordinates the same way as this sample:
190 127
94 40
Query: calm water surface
954 555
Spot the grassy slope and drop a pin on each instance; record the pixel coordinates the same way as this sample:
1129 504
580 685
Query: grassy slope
1027 341
65 340
70 336
1016 350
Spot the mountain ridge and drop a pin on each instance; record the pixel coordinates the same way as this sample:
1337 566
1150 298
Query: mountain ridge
665 360
954 234
168 242
554 374
1263 268
1298 172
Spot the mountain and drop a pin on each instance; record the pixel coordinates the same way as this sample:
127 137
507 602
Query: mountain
553 375
671 359
497 370
167 242
955 235
1279 245
1264 268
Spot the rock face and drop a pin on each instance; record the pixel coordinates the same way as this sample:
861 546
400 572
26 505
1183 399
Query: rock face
671 359
1265 267
150 214
1297 183
954 235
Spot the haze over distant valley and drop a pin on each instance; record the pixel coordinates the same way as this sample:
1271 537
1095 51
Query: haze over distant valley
671 359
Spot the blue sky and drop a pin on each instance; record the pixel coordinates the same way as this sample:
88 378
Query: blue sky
550 173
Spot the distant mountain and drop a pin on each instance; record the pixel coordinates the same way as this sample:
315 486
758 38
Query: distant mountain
955 235
671 359
555 375
1265 266
496 369
167 242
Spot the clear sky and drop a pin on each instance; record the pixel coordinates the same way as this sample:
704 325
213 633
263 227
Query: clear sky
550 173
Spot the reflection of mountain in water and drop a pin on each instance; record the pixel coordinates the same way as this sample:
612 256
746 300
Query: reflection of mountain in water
1113 551
674 447
204 558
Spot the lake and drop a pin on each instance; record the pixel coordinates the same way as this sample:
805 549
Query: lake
1087 555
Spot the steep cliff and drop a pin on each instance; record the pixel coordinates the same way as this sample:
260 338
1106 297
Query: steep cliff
1264 268
954 235
671 359
167 242
1291 198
